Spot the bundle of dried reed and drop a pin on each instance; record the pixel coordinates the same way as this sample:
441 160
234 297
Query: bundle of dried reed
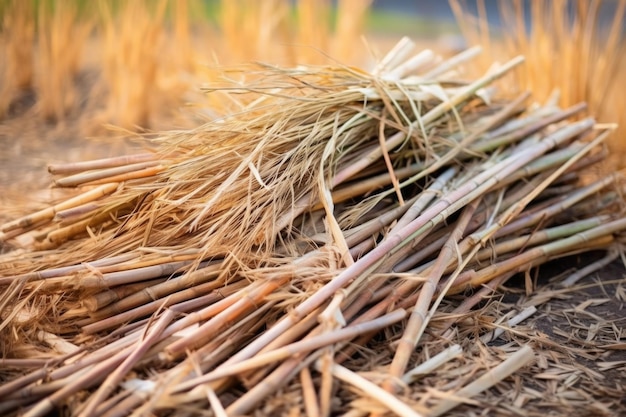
311 245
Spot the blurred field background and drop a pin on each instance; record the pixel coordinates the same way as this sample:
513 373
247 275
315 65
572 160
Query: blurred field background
134 64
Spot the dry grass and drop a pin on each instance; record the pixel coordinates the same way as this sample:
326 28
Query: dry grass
570 46
339 223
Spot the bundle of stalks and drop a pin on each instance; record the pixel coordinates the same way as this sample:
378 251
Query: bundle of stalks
313 253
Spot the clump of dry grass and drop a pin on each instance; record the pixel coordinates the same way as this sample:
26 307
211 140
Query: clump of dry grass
315 242
574 46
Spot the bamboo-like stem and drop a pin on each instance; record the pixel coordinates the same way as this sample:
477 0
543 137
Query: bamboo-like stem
277 379
373 391
133 175
311 407
104 298
112 279
590 269
514 362
514 321
73 167
48 214
61 271
418 320
91 176
433 363
161 289
76 213
111 382
217 299
304 346
24 363
230 313
544 251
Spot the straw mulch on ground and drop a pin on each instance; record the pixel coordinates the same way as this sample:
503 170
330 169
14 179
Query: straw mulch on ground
335 247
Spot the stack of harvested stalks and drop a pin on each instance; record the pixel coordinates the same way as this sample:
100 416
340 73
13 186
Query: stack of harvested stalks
319 252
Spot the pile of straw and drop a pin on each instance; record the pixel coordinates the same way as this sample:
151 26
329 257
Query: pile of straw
320 251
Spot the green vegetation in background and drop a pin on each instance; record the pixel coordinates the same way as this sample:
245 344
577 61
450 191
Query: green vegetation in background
383 22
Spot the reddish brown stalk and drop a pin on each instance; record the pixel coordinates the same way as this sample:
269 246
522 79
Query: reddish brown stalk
277 379
418 319
161 289
252 298
86 380
102 299
216 298
112 279
111 382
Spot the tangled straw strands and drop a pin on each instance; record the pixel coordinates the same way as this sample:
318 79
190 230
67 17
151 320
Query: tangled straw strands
311 245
